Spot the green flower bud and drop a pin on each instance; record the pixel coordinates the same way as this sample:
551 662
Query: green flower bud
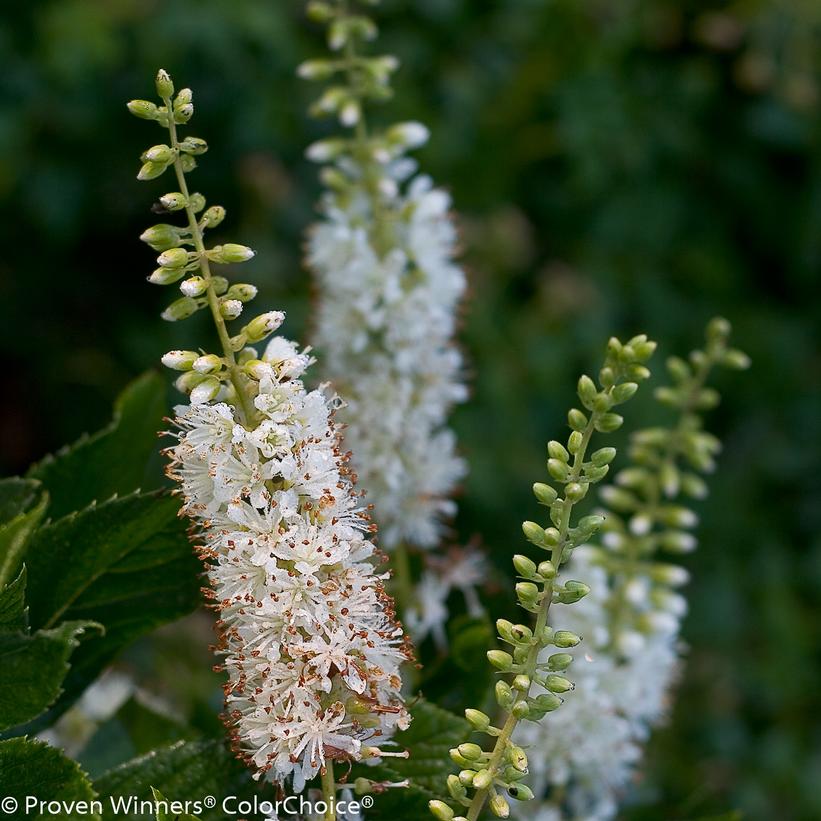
521 792
194 286
180 360
718 329
520 710
466 777
455 787
521 682
183 113
527 592
557 451
165 88
194 145
559 661
608 422
575 441
546 569
187 163
263 326
517 758
185 97
499 806
558 469
159 153
180 309
564 638
546 702
524 566
477 719
151 170
587 391
173 258
472 752
230 308
174 201
534 533
316 69
143 109
219 284
504 694
621 393
500 659
558 684
166 276
441 810
575 491
576 419
230 253
213 216
736 359
482 780
603 456
242 291
196 202
161 237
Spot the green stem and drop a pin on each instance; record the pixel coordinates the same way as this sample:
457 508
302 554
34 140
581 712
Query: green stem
329 790
530 664
237 378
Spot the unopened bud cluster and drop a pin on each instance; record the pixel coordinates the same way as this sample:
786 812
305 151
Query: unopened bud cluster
632 615
185 261
646 523
535 661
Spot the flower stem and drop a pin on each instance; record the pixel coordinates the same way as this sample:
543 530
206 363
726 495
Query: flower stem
246 406
329 790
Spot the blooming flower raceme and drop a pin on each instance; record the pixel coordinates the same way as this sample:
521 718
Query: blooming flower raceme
383 259
307 633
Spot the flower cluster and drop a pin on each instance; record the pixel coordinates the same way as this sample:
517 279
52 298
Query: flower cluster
534 669
310 644
382 257
633 612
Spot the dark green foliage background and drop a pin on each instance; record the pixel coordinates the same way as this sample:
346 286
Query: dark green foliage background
618 167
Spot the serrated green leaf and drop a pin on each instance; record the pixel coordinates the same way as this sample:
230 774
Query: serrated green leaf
187 770
126 564
98 563
32 669
29 767
111 461
16 496
14 537
13 610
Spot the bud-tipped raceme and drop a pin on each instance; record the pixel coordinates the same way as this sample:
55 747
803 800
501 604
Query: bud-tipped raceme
382 256
310 645
632 615
533 663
